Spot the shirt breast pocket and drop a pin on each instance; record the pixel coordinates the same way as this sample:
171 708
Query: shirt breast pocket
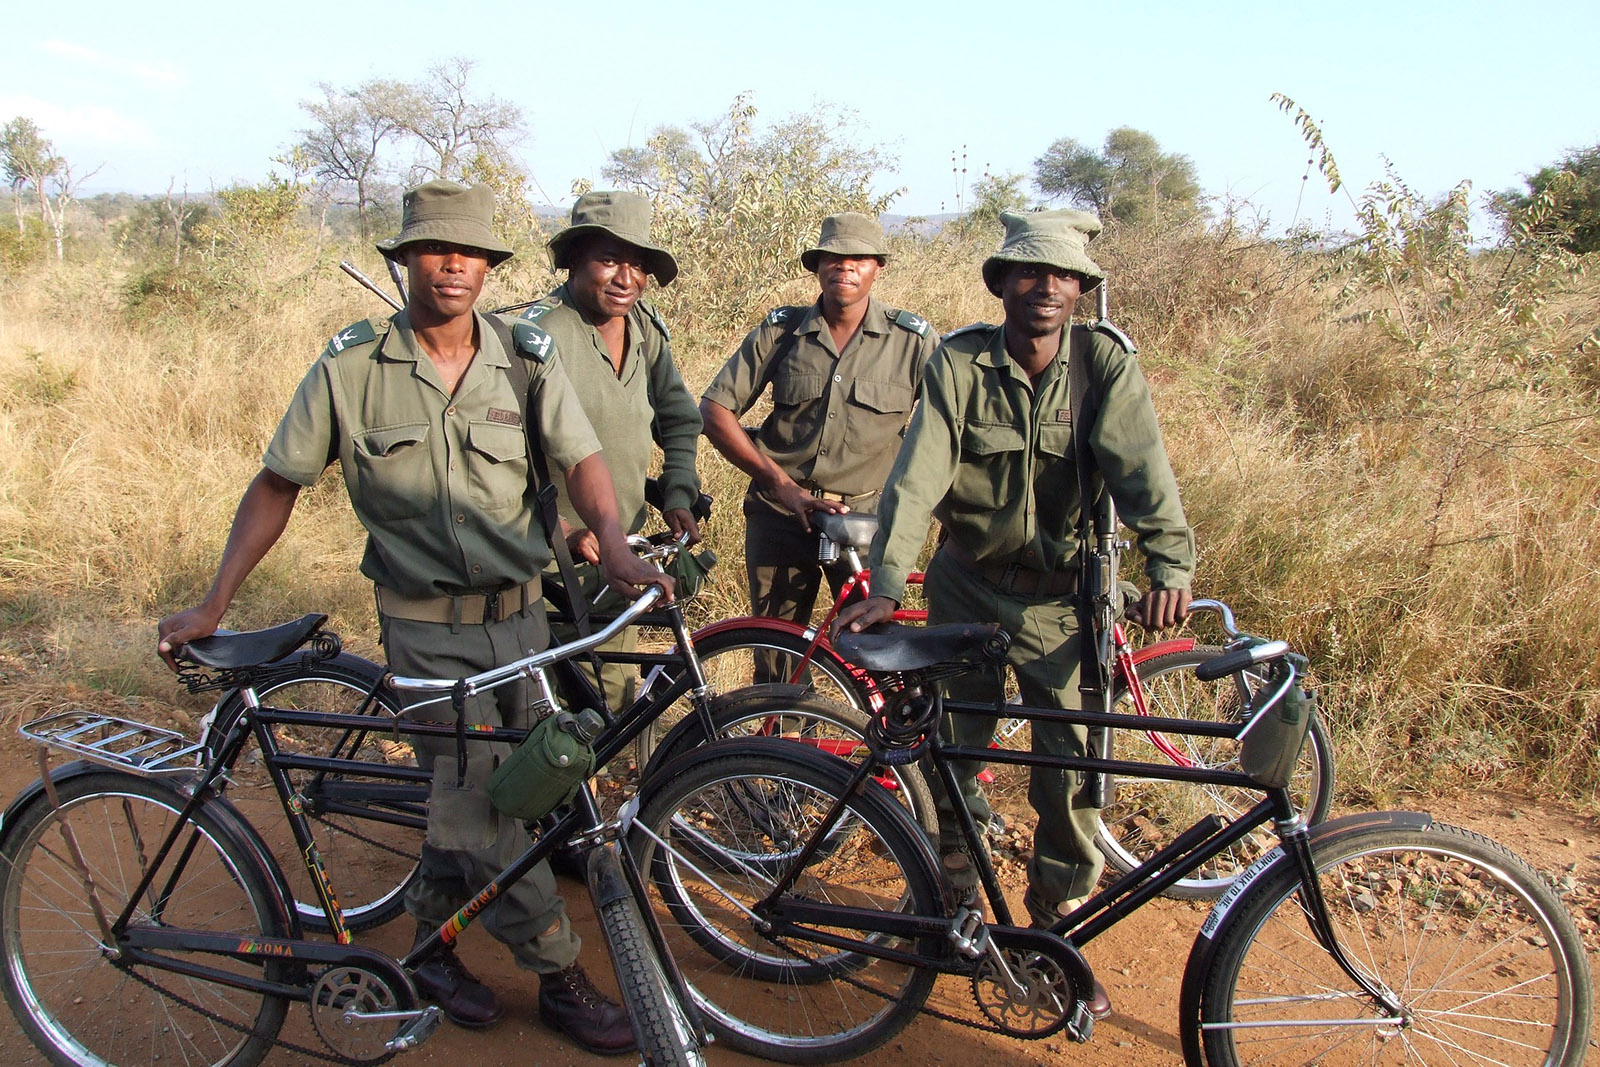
991 472
497 465
394 472
793 390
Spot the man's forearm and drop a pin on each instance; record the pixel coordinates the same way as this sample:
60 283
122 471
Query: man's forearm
263 514
722 429
594 498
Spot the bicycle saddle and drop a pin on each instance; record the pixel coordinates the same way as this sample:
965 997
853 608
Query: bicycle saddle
893 647
847 531
227 650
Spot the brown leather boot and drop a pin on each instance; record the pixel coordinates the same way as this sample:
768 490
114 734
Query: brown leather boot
1044 916
445 980
569 1002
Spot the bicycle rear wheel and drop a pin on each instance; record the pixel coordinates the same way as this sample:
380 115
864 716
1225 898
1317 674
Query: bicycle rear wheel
368 831
1147 814
1474 945
729 658
715 833
76 1002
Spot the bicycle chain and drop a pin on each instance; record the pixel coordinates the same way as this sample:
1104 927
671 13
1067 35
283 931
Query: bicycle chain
335 828
325 1054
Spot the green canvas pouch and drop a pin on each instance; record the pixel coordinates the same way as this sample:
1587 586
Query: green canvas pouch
1272 743
689 571
460 816
546 769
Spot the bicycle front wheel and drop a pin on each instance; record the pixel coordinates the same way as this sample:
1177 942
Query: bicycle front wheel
79 1004
367 830
716 834
1484 962
1146 814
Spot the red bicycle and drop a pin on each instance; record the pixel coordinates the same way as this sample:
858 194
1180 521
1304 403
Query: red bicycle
1156 680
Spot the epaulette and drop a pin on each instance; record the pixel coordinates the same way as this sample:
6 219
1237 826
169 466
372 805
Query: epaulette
532 341
966 329
908 321
537 311
1105 327
655 317
779 316
357 333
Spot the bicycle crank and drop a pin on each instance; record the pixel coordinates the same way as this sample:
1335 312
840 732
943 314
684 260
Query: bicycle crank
1030 984
366 1016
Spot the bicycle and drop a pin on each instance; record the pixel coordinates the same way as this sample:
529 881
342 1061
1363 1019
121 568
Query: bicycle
810 921
368 822
1155 680
165 930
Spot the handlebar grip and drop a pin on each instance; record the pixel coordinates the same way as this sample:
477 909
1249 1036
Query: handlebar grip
1237 660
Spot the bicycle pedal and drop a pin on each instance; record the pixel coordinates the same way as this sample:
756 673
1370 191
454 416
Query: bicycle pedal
968 933
417 1030
1081 1026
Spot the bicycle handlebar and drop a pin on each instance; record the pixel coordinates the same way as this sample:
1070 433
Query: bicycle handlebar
1237 660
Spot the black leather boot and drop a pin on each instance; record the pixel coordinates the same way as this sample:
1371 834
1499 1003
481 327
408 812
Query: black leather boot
569 1002
445 980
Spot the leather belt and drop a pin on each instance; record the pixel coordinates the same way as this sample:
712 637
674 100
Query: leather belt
469 609
1014 578
844 498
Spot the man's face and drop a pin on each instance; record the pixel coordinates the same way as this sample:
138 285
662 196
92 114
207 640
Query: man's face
1038 298
444 279
607 276
846 280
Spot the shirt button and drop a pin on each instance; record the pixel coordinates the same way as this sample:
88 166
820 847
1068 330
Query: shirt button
822 451
450 410
460 519
476 569
830 414
838 378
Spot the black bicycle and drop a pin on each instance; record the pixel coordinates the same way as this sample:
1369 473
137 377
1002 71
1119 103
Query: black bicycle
143 918
808 915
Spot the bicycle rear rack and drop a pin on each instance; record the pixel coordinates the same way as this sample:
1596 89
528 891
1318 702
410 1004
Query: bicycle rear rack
121 743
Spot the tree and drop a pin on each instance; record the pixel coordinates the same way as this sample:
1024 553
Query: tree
993 194
452 127
1566 197
29 160
351 126
1130 180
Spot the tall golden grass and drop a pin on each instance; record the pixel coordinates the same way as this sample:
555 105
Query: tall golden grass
1383 464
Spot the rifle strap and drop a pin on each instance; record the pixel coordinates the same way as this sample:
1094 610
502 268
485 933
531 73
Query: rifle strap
545 490
1091 675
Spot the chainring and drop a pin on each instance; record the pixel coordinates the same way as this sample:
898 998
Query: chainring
344 991
1052 979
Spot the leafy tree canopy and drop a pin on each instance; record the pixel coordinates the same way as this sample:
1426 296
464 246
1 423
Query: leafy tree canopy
1563 200
1130 179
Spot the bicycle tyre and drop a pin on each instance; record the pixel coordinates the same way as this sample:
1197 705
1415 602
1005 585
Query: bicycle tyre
1485 961
662 1031
74 1002
1146 814
783 998
728 659
828 725
370 862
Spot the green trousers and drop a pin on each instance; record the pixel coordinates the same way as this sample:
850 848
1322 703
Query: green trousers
468 841
617 680
780 559
1045 658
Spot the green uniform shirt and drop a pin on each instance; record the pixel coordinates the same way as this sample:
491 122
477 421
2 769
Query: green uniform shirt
647 404
440 482
837 417
991 455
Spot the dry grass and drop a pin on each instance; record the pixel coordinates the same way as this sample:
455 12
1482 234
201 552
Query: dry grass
1421 514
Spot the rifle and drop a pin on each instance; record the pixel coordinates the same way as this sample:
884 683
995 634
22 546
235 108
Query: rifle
350 269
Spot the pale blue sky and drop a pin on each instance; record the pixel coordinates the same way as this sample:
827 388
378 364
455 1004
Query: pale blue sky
206 93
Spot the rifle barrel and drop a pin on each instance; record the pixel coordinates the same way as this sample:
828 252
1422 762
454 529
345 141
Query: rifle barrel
350 269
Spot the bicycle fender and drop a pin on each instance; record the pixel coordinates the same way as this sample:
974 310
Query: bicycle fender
35 789
1205 942
604 875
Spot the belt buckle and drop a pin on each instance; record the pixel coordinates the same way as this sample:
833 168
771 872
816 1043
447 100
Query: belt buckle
491 606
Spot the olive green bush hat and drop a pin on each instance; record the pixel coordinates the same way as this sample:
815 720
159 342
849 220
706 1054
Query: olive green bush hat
625 216
1057 238
848 233
444 211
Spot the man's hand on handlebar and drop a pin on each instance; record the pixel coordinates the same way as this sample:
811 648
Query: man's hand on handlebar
862 615
680 521
174 631
628 575
1161 608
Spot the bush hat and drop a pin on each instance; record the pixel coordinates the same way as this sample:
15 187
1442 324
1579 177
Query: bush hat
625 216
848 233
444 211
1057 238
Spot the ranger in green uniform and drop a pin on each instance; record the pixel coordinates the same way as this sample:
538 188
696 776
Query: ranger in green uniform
421 415
990 454
616 351
844 374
